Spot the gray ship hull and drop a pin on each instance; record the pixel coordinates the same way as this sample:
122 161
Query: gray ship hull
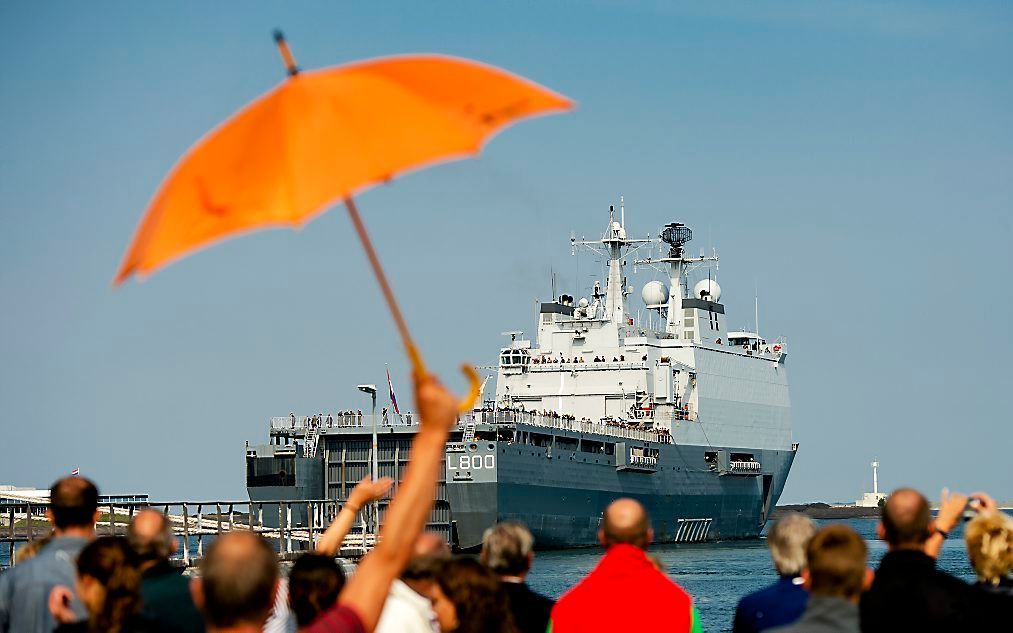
560 495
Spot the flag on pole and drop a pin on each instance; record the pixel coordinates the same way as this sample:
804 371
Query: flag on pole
75 472
393 398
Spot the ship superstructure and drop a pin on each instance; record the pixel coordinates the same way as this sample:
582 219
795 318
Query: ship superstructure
670 408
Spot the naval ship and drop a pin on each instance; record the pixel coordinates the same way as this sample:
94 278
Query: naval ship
661 403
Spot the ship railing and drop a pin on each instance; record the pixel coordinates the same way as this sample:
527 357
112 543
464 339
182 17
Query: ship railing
290 526
587 365
614 429
304 423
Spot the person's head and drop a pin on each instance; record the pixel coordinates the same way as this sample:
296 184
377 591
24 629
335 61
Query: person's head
108 582
836 566
787 540
429 551
150 534
906 521
989 538
238 581
508 549
73 505
625 521
313 586
468 598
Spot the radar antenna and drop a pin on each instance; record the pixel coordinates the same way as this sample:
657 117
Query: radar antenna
676 235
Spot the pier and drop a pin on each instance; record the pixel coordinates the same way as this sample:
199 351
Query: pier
195 524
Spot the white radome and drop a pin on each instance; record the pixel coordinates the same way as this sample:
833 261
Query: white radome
582 303
654 293
707 286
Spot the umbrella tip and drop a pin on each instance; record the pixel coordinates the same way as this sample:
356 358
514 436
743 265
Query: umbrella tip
286 53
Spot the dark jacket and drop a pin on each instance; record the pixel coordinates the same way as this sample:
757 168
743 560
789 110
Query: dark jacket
165 593
910 594
531 611
825 615
781 603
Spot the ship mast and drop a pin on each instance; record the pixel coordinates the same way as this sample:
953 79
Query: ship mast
614 240
676 235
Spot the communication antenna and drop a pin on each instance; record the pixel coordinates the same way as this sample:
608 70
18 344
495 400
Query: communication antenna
622 212
756 314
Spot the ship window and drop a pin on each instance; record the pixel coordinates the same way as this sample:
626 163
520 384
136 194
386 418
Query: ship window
690 334
688 312
689 323
546 318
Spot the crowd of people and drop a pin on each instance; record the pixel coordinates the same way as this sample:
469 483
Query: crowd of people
410 582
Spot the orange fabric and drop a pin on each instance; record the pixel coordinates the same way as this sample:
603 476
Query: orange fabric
322 136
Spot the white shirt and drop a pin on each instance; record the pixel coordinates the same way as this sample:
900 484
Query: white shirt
406 612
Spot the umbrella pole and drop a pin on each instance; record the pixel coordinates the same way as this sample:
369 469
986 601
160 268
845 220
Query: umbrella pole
474 381
388 294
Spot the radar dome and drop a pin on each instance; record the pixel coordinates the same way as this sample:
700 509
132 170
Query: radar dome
582 303
655 293
707 289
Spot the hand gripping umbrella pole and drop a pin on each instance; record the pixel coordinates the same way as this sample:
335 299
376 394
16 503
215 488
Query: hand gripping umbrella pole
418 365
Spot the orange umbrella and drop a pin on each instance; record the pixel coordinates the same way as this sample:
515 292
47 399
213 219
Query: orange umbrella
323 136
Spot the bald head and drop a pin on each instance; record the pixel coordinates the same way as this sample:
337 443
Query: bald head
238 580
150 536
906 518
626 521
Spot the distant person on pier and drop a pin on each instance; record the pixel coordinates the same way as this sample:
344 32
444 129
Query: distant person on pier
835 575
784 601
908 592
25 588
508 549
165 591
625 592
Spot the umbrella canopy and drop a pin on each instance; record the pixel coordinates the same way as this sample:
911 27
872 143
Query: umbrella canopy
322 136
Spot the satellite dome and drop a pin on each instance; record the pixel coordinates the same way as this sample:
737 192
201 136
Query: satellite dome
582 303
654 293
707 289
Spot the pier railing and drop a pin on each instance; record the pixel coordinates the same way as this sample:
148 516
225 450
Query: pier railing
290 526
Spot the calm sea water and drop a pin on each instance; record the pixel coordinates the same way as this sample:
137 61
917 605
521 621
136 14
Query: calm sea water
718 574
715 574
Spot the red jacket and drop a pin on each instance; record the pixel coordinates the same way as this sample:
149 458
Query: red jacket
625 592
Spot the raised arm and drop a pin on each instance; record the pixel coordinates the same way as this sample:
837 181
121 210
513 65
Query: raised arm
365 492
951 508
367 590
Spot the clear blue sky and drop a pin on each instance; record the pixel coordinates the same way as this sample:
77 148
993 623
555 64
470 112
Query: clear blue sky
850 160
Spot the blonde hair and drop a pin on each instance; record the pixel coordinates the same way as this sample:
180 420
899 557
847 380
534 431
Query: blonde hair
787 541
989 539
